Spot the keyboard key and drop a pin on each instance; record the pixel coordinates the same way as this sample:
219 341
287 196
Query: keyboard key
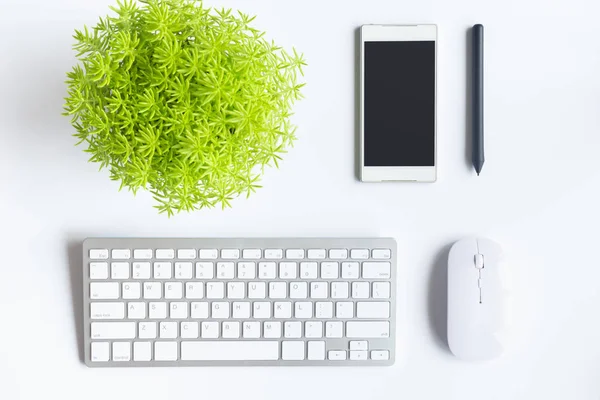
316 350
360 290
186 254
376 270
210 330
318 290
303 309
251 330
267 270
373 309
246 270
350 270
380 355
162 270
277 290
215 290
220 310
298 290
165 351
113 330
334 329
107 310
121 254
338 254
241 309
104 290
236 290
313 329
225 270
100 351
272 329
364 329
261 310
359 254
251 254
336 355
147 330
131 290
294 254
141 270
359 345
230 254
178 310
282 309
98 270
168 330
230 351
344 309
183 270
205 270
165 254
257 290
308 270
340 290
293 329
142 351
190 330
381 290
199 310
119 270
208 254
381 254
121 351
173 290
142 254
317 254
329 270
288 270
273 254
292 350
158 310
358 355
324 309
99 254
152 290
231 330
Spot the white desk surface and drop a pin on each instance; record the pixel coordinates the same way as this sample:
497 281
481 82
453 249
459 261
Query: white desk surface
538 196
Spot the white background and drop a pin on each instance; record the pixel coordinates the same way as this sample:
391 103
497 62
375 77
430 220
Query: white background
538 196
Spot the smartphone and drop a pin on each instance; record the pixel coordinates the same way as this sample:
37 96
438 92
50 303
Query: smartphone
398 103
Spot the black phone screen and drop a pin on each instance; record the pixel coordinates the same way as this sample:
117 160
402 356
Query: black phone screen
399 104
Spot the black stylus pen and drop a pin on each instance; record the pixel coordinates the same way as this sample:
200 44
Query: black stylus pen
477 97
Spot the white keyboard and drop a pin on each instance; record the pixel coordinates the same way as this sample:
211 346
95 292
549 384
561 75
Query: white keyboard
209 302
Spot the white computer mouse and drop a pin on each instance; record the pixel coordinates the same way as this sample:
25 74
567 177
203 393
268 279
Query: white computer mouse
476 300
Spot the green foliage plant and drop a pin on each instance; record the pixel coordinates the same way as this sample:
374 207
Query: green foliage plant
185 101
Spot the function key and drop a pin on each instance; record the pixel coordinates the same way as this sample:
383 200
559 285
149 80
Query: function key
382 254
99 254
359 254
230 254
294 253
317 254
121 254
273 254
338 254
165 254
186 254
251 254
208 254
142 254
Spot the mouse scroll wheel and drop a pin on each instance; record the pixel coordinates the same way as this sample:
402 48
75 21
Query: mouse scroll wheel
479 261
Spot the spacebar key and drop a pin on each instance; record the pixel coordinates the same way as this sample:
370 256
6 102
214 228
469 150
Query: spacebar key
230 351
